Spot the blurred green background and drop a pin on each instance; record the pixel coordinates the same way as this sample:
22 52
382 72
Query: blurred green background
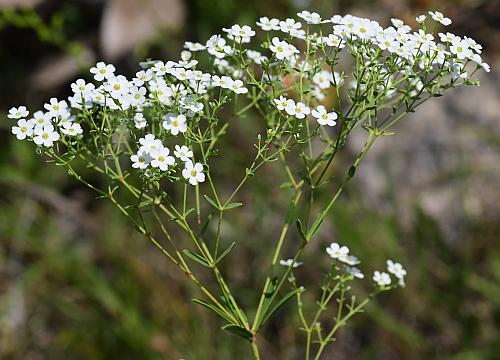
76 281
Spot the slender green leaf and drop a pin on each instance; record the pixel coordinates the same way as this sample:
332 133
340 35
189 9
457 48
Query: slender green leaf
212 202
223 255
232 206
196 257
215 309
239 331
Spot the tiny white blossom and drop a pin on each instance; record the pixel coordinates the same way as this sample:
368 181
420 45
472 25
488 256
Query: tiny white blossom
183 152
337 252
193 172
310 18
439 17
282 49
141 160
81 88
140 121
56 108
175 123
281 103
18 113
23 129
397 270
381 278
162 159
238 88
102 71
289 263
150 144
41 119
289 25
71 128
323 117
354 271
267 24
45 135
420 19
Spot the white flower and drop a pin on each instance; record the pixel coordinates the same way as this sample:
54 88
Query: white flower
460 48
71 128
102 71
351 260
381 278
17 113
310 18
397 270
182 74
420 19
217 47
24 128
282 49
45 135
300 111
281 103
337 252
354 271
41 119
238 88
160 68
142 77
256 56
141 160
183 152
289 263
150 144
323 117
437 16
81 88
193 173
323 79
334 41
162 159
194 46
289 25
267 24
224 82
139 121
56 108
175 123
240 34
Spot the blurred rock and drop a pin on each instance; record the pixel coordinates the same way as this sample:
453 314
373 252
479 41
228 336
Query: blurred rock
443 158
19 3
126 23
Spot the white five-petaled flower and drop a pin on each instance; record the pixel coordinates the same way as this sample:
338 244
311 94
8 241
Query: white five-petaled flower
45 135
56 108
162 159
281 103
238 88
18 113
23 129
267 24
439 17
354 271
323 117
421 19
102 71
150 144
282 49
41 119
381 278
183 152
289 25
299 109
140 121
193 172
175 123
397 270
310 17
72 129
289 262
240 34
81 88
337 252
141 160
